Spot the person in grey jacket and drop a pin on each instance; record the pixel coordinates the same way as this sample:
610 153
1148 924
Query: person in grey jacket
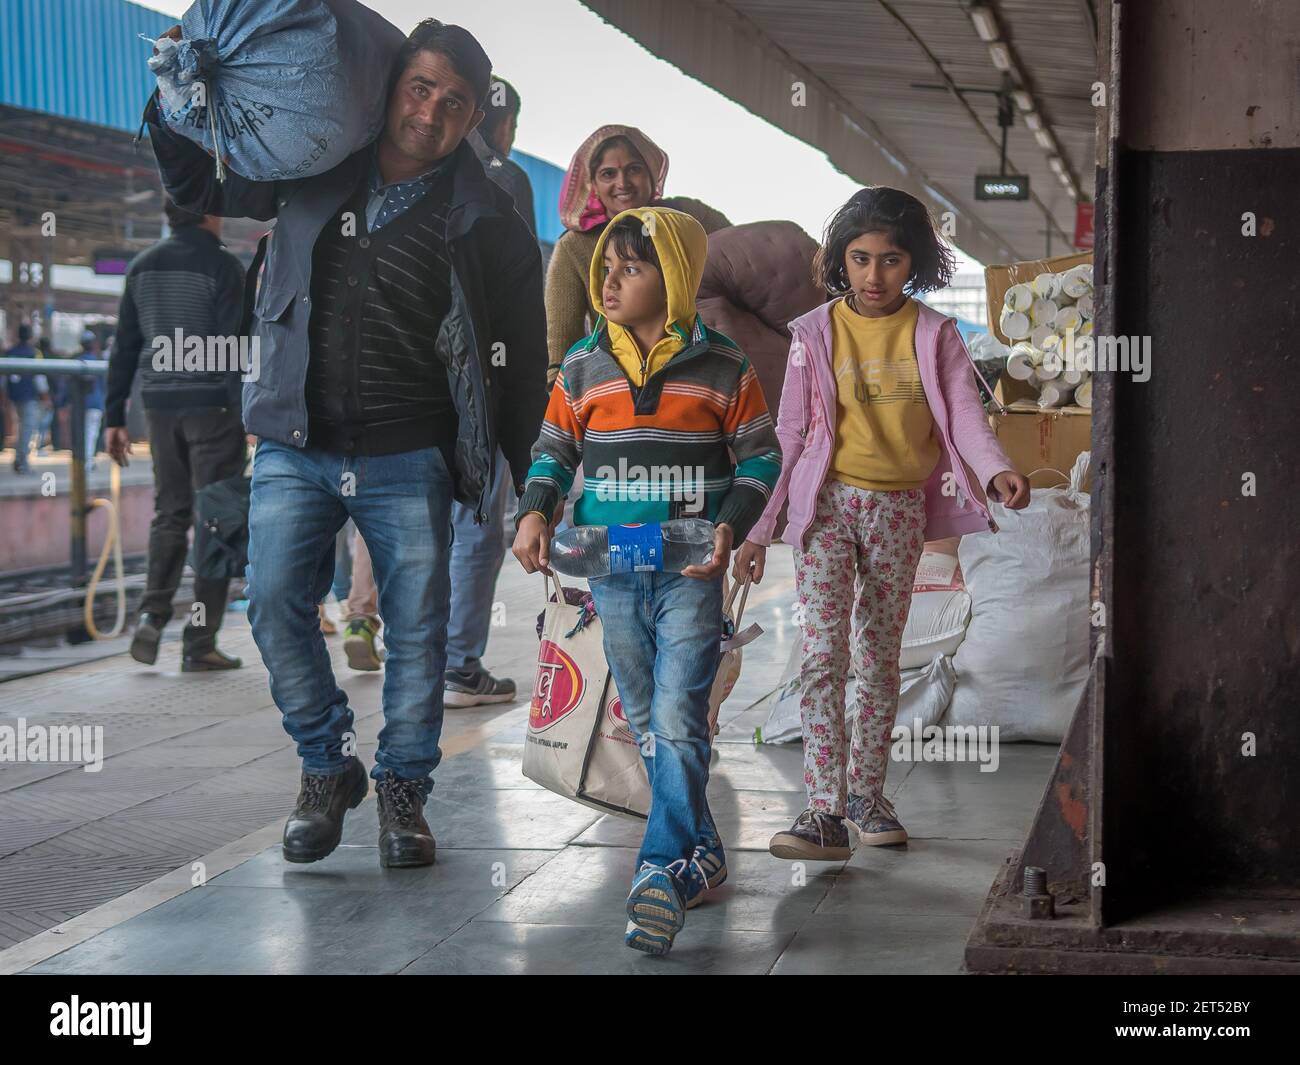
402 339
181 292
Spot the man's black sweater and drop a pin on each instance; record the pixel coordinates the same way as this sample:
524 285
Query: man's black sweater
186 282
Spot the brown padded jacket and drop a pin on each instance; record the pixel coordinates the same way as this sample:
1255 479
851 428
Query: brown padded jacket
757 279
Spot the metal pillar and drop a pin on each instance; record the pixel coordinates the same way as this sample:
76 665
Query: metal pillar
1170 830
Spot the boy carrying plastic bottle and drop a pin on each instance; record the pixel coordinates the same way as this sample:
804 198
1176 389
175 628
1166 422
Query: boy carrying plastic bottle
649 404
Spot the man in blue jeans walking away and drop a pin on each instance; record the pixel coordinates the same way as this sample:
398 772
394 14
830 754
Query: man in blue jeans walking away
27 392
392 282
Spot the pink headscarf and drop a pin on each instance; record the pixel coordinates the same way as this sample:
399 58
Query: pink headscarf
580 207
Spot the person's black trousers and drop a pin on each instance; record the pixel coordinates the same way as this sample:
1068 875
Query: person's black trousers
192 447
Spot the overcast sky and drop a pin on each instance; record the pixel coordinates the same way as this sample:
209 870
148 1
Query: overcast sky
575 73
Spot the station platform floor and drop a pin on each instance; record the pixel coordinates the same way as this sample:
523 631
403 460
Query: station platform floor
167 860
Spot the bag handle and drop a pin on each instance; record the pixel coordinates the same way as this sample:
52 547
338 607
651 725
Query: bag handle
546 586
743 588
1051 469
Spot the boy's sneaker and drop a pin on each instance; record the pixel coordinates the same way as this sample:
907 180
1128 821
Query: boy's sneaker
475 689
707 868
876 821
815 836
359 645
655 910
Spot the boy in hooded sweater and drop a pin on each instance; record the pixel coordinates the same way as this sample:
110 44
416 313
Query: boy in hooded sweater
653 405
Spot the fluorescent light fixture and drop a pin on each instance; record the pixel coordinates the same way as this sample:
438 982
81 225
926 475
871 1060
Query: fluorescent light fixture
985 24
1056 165
1001 55
1045 140
1024 100
1033 121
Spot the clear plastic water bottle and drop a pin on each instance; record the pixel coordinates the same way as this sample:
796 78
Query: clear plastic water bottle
598 550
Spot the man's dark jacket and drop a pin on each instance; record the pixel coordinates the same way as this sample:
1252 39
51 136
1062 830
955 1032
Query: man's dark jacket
493 338
186 281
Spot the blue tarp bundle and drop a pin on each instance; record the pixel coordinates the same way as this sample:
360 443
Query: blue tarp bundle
277 88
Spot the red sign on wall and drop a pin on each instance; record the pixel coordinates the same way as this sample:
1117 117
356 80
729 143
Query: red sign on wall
1083 226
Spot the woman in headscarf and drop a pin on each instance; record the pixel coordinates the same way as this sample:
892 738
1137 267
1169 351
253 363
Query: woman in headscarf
616 168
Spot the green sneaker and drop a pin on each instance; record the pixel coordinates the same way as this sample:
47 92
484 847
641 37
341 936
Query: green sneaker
359 645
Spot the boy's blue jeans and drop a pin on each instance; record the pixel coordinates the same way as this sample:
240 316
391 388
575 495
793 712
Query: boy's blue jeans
661 633
402 507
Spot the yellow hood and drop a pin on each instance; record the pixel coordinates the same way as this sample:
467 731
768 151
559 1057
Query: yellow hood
681 244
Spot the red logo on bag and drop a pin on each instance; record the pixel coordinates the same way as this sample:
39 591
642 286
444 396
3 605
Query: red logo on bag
559 687
616 715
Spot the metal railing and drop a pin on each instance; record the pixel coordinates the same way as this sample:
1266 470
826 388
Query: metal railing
81 374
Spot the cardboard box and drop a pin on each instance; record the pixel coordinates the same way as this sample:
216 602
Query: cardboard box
1008 391
1047 441
1000 277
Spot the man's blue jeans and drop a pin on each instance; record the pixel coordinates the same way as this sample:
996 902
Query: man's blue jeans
662 632
29 423
476 555
402 506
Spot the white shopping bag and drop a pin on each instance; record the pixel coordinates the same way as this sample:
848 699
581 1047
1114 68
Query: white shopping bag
579 743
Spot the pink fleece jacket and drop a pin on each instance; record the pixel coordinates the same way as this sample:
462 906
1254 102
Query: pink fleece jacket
806 429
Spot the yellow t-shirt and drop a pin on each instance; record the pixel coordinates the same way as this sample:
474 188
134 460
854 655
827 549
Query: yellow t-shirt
886 443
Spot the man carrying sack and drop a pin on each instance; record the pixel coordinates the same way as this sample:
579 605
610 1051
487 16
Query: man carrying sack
402 337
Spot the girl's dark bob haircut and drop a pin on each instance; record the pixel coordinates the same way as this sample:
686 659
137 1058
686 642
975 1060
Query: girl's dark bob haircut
904 219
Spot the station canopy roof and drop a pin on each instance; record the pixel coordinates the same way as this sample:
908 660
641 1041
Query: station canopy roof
904 93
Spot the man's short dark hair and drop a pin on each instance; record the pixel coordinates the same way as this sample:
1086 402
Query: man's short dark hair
24 333
178 217
460 48
496 114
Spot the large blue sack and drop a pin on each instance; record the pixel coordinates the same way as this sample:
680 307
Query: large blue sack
277 88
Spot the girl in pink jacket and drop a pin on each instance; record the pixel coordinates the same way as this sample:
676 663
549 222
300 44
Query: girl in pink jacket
884 445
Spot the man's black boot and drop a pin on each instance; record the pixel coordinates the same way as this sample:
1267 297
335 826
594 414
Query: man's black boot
404 836
208 661
148 634
316 824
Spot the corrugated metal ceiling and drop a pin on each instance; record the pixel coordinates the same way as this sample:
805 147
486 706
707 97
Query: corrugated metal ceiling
873 64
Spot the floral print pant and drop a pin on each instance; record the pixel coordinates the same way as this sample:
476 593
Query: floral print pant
863 550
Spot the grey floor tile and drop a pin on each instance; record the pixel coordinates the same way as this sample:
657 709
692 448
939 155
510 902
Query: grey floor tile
356 868
931 877
765 767
486 947
238 930
955 800
582 884
740 729
894 946
495 765
746 820
482 818
180 755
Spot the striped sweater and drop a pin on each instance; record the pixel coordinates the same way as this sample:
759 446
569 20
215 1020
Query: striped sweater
660 451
